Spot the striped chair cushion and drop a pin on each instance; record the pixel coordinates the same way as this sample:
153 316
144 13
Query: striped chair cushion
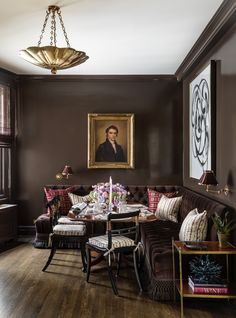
168 208
66 220
194 226
117 241
70 230
75 199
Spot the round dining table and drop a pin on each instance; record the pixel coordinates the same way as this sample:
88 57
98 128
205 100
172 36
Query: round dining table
92 216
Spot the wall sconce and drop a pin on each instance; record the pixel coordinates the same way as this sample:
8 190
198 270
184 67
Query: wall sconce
208 178
67 171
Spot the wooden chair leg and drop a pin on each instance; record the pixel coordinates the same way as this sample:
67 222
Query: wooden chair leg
112 278
136 271
83 255
53 251
88 267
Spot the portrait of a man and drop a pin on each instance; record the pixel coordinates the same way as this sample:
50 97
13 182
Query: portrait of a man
110 140
110 150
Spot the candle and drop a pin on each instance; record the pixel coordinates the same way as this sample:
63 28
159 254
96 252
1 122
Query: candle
110 191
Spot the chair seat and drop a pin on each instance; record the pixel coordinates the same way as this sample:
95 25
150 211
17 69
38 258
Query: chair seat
66 220
117 241
70 230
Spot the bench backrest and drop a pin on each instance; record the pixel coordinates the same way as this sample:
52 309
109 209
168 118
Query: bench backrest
191 200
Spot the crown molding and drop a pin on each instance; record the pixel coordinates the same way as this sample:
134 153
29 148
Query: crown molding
109 78
221 22
7 77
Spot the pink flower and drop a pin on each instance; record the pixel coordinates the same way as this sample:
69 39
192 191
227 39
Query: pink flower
105 195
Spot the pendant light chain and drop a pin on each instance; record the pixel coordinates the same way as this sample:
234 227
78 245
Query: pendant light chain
53 30
63 28
53 10
43 29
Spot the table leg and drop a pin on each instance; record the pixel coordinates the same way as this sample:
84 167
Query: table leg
227 267
181 286
174 281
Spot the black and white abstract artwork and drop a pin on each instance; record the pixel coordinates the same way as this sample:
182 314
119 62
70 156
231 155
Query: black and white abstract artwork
200 124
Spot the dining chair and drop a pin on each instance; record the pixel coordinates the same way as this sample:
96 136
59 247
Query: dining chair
116 242
65 232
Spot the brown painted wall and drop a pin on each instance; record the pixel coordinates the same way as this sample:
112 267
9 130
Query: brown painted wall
53 132
224 54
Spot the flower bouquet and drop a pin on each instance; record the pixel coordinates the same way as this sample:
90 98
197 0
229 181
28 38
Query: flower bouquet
101 193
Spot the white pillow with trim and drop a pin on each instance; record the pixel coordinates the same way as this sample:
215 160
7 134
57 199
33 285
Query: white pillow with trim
75 199
168 208
194 226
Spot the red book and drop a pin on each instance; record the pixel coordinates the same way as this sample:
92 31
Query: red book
210 290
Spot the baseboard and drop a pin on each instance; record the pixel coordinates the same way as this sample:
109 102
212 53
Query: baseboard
26 230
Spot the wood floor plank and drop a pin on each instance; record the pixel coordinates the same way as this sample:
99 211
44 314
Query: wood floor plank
62 291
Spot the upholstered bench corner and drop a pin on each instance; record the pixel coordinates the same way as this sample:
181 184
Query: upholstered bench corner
43 229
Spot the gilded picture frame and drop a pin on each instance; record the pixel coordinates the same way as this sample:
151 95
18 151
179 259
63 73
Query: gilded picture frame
111 140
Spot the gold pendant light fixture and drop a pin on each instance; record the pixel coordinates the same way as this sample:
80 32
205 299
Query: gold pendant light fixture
53 57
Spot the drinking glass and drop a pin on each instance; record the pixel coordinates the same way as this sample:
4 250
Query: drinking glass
122 207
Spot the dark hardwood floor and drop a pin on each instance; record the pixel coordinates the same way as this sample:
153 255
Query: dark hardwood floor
62 292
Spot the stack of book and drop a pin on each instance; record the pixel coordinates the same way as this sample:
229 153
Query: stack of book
206 288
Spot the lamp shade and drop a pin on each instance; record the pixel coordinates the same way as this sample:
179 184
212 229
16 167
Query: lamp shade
53 58
208 177
67 171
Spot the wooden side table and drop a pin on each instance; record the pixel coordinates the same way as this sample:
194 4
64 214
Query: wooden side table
212 247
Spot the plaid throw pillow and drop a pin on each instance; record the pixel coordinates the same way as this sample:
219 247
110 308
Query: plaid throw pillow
64 198
155 196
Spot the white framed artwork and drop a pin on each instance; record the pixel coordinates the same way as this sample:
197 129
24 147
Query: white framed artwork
202 122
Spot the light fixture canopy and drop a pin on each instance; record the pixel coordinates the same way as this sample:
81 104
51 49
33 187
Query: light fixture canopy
53 57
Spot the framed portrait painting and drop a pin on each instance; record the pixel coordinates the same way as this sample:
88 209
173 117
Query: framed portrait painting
202 123
111 141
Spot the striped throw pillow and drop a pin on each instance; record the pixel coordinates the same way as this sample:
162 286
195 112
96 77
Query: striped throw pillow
194 226
154 198
75 199
168 208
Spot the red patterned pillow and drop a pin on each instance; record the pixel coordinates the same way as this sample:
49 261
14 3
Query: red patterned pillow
155 196
65 203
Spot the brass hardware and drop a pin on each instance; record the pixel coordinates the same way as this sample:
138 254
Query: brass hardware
59 176
226 190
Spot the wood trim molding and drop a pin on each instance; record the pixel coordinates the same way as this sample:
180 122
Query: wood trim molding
26 230
7 77
108 78
221 22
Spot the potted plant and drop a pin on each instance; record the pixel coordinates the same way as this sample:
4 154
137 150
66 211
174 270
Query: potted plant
223 227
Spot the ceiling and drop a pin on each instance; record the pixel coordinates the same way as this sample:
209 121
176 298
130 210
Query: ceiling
120 37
